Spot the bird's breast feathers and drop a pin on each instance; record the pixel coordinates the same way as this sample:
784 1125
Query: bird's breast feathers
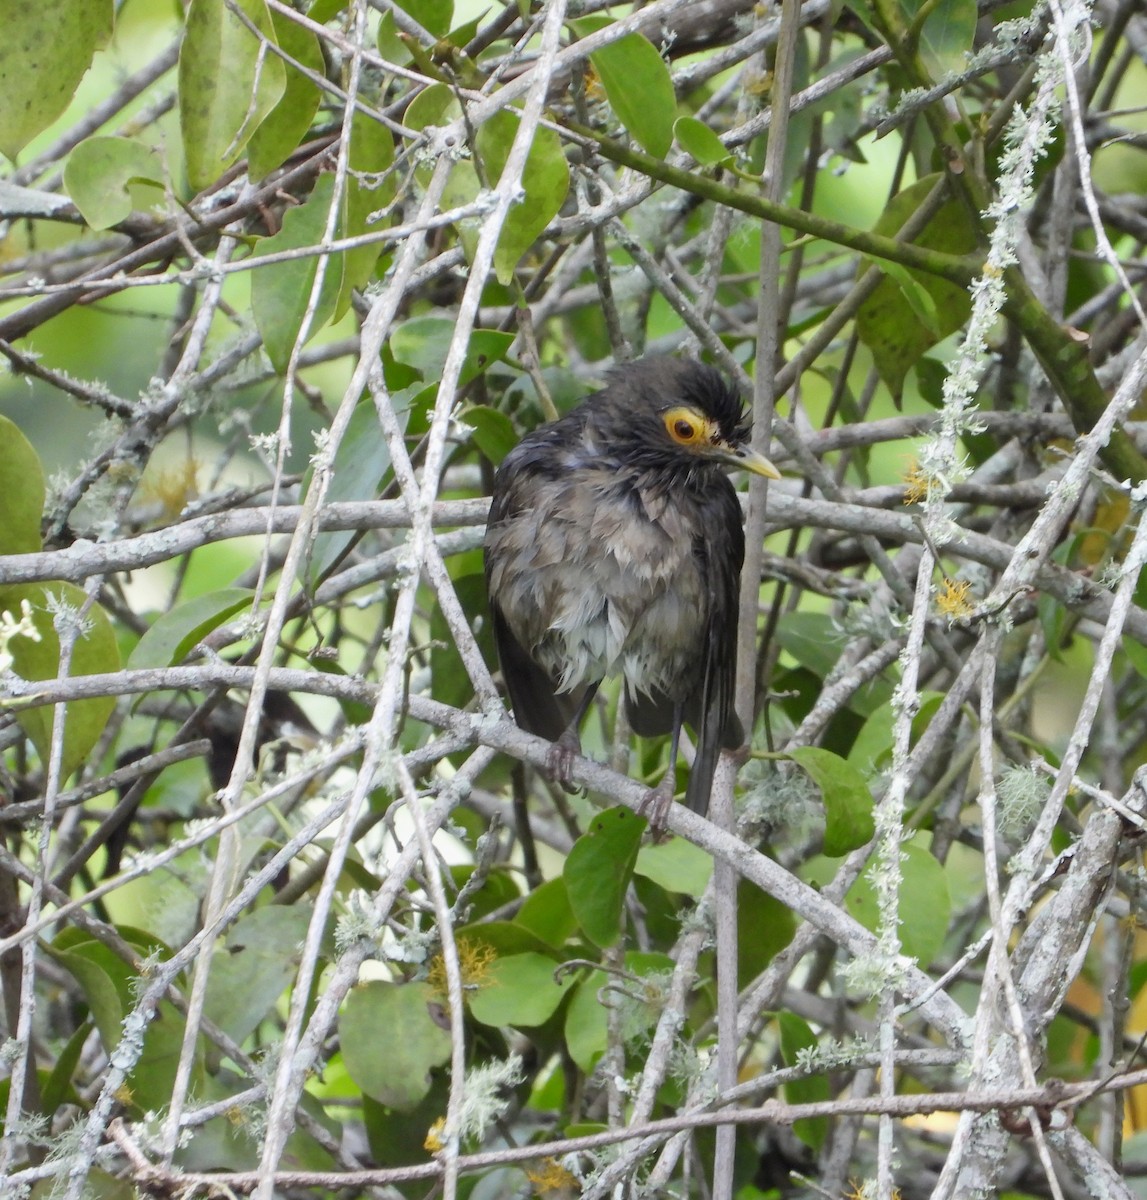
595 579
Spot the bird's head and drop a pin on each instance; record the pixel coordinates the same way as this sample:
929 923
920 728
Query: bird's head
680 412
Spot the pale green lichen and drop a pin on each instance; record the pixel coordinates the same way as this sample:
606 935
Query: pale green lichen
1020 796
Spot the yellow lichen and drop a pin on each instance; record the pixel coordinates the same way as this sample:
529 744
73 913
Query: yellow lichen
865 1191
954 599
917 484
474 959
552 1180
173 488
434 1143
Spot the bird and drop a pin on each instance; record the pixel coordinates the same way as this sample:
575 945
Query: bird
614 546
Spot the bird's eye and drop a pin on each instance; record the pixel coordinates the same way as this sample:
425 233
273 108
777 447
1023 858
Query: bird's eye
685 427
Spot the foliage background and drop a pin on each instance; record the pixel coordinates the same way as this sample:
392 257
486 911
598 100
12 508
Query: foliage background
284 902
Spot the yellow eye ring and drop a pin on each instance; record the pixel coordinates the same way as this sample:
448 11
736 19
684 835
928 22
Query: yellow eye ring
686 426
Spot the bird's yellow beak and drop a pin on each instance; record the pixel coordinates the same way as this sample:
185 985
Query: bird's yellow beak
748 459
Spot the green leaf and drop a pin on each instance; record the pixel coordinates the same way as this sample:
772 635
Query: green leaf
286 125
21 494
462 35
924 905
598 870
545 182
423 342
521 991
95 653
322 11
919 301
361 462
813 639
172 637
256 966
434 105
504 938
228 83
585 1029
99 174
109 985
546 913
437 105
368 190
394 1136
930 376
797 1035
864 10
697 139
585 1017
494 432
59 1089
1053 620
435 16
676 865
45 50
1136 654
98 987
948 34
451 681
280 292
390 1042
872 746
498 888
847 800
889 322
640 90
391 47
765 927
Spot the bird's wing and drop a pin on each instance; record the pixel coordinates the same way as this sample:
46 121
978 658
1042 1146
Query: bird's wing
650 713
710 709
538 709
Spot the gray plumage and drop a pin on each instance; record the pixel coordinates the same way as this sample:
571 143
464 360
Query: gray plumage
613 549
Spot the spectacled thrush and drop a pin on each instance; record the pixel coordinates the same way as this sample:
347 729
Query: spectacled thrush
614 546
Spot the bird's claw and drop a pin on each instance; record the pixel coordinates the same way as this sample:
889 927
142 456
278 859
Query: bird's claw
559 761
658 801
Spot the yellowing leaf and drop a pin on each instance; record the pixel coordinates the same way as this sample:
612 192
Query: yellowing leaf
99 174
94 653
228 82
287 123
45 50
21 493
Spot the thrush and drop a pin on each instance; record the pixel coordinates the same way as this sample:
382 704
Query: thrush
614 547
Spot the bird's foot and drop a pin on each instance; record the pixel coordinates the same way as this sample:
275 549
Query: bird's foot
658 801
559 760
